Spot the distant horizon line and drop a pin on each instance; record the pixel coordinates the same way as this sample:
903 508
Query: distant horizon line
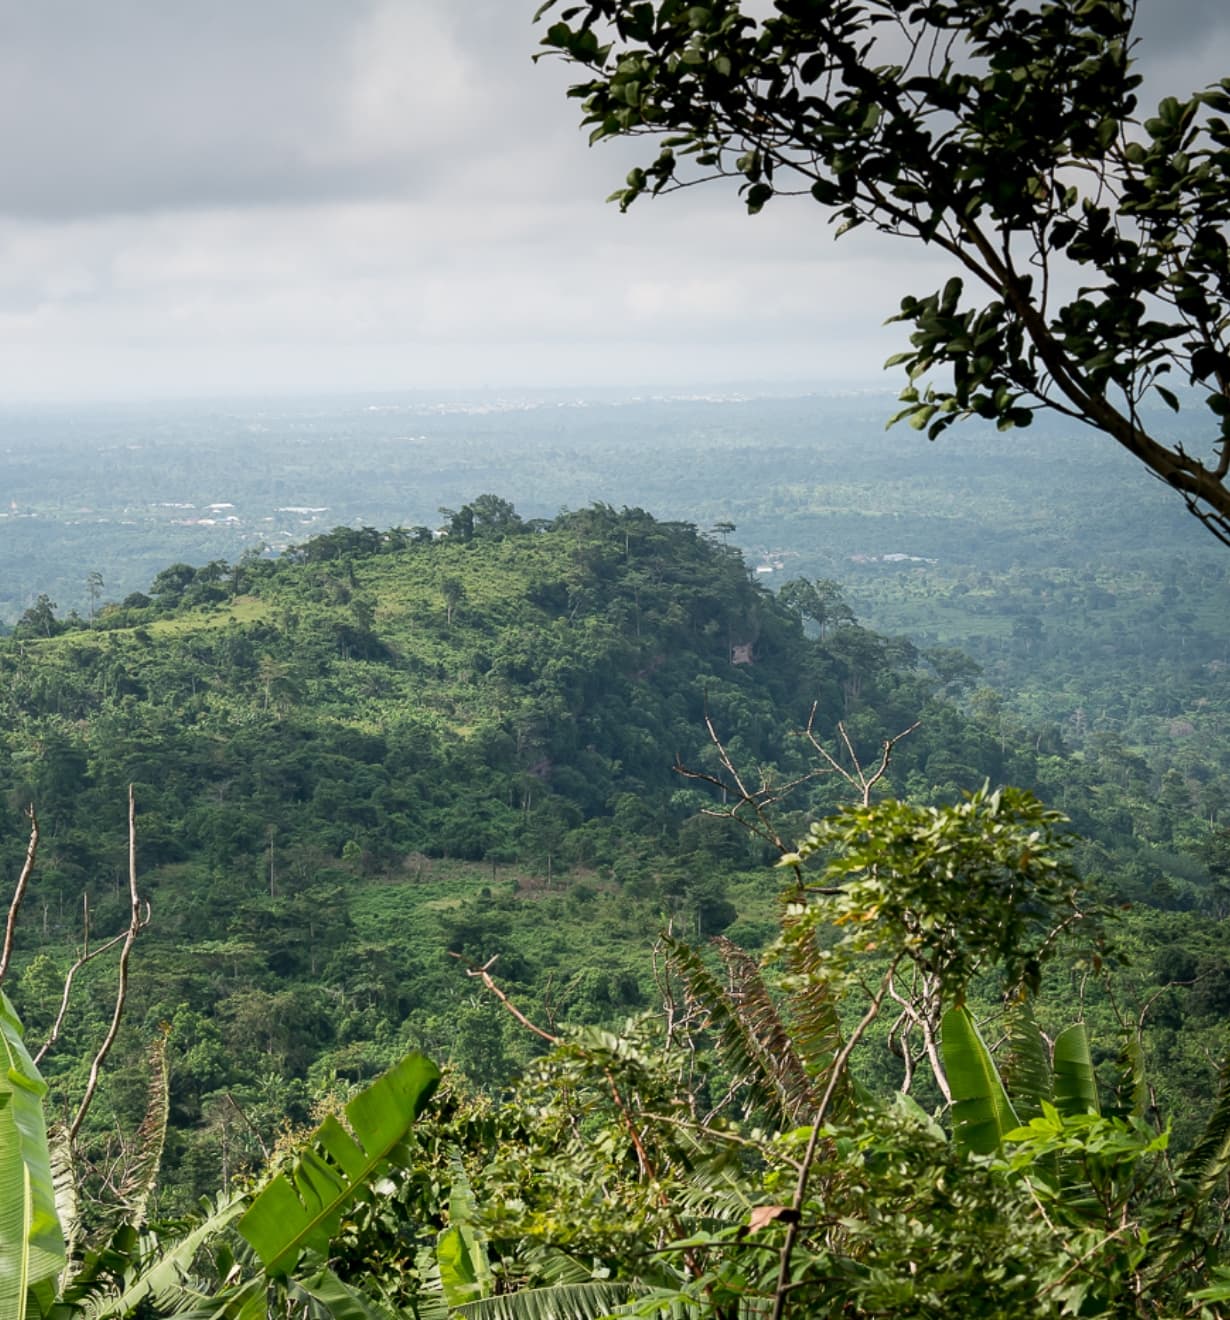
731 391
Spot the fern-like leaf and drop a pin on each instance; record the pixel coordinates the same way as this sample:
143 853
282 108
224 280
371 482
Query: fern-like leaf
815 1024
1208 1161
148 1269
1026 1064
749 1033
774 1041
138 1185
563 1301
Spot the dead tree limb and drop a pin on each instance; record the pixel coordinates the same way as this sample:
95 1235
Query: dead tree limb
858 778
138 919
23 882
483 974
87 955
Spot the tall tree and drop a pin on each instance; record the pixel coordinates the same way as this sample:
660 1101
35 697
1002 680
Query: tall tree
1000 132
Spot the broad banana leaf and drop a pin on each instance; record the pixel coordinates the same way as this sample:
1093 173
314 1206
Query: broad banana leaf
1076 1087
64 1185
461 1252
303 1208
558 1301
338 1300
153 1275
31 1244
465 1271
981 1112
1026 1067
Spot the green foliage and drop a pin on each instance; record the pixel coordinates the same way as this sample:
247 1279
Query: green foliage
1004 140
981 1112
31 1243
954 889
1076 1085
301 1209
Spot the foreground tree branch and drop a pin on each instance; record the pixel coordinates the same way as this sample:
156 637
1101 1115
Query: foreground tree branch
1000 132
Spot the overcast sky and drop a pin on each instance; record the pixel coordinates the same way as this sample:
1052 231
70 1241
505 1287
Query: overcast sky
286 195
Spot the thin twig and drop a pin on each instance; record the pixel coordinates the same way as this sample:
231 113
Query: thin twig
136 923
23 881
813 1141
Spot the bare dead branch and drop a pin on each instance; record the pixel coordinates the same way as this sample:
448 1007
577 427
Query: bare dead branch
137 921
247 1122
483 974
87 955
23 881
858 778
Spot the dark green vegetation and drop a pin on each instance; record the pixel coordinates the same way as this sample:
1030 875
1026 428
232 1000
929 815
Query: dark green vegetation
1000 133
384 747
626 1174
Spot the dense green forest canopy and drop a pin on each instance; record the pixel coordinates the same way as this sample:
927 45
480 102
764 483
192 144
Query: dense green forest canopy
513 741
383 746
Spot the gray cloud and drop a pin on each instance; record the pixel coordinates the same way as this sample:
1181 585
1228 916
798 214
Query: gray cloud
137 105
274 194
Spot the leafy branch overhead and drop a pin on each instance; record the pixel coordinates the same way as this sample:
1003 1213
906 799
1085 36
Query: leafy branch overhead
1001 132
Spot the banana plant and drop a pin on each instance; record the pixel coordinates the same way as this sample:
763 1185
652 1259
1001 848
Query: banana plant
299 1211
32 1251
288 1222
467 1280
983 1114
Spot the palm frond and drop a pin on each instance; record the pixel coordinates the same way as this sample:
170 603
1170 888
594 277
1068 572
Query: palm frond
564 1301
1209 1159
142 1176
775 1042
815 1024
148 1269
749 1032
1025 1066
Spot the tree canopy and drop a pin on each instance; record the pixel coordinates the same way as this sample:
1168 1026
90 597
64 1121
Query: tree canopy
1001 132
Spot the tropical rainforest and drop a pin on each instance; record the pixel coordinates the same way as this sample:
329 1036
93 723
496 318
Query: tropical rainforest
539 916
532 799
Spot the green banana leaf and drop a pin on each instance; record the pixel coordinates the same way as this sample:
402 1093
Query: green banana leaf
1026 1065
558 1301
150 1276
302 1208
461 1251
981 1111
31 1245
338 1300
1076 1087
465 1271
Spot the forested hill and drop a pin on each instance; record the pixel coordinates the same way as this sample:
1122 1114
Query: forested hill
385 746
499 691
